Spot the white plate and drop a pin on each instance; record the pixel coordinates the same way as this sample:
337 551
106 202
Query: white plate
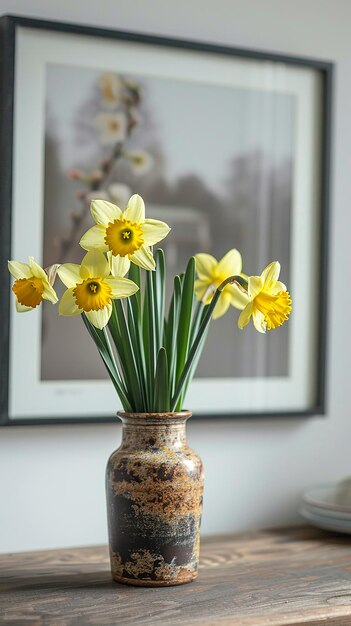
327 512
326 498
325 522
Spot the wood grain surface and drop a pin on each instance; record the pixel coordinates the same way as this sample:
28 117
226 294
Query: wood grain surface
278 577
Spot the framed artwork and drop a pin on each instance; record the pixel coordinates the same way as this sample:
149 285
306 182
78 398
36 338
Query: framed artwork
230 147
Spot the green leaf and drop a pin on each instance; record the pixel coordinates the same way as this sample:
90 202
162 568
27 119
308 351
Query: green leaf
171 329
192 370
135 299
205 321
161 392
100 341
198 316
185 315
150 331
195 322
114 329
138 347
127 357
147 346
134 309
158 283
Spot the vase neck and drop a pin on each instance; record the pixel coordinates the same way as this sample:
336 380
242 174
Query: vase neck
154 430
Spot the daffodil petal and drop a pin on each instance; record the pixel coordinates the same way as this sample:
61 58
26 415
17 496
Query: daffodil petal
245 315
271 273
238 298
36 270
122 287
143 257
49 293
21 308
205 265
94 264
204 288
259 321
104 212
277 287
119 265
51 273
19 269
231 264
100 318
135 210
200 287
255 286
69 273
94 239
222 306
68 305
154 231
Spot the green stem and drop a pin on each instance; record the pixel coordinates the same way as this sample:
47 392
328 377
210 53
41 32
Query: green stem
197 341
196 320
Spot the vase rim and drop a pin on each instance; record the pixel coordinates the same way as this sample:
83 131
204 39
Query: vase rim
155 415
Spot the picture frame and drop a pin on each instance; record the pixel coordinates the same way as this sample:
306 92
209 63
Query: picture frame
299 85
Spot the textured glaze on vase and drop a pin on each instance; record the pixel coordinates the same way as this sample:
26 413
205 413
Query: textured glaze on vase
154 486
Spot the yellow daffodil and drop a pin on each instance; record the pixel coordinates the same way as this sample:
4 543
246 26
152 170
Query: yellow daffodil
32 285
91 288
212 273
125 235
270 302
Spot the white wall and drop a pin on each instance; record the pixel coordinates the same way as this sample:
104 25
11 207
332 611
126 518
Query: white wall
52 477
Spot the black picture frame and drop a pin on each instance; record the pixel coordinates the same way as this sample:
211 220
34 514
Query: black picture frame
8 27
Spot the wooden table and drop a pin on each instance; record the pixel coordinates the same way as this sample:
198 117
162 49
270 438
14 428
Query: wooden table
264 578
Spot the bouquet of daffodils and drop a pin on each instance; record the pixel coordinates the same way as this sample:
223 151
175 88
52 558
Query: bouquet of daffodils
151 356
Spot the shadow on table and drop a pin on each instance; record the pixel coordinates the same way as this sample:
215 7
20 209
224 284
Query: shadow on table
60 581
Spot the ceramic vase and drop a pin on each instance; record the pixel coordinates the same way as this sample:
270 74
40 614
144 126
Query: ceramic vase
154 486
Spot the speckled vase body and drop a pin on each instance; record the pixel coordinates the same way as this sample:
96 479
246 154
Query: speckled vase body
154 486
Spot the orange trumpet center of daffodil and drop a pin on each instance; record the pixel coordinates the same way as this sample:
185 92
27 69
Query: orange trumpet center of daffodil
92 294
275 308
124 237
28 291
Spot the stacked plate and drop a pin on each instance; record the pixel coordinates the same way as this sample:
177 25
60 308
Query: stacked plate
329 507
